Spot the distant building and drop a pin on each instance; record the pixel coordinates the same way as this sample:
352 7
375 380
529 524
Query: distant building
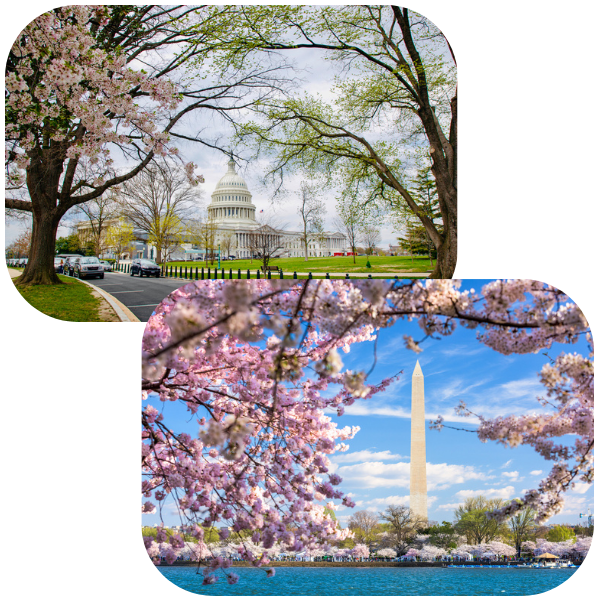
232 213
398 251
138 249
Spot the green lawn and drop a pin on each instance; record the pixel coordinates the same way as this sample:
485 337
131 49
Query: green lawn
340 265
73 301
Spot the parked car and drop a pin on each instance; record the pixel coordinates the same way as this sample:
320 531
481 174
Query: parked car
23 262
107 265
88 267
145 267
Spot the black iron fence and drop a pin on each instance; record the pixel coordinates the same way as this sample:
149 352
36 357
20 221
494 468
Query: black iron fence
208 273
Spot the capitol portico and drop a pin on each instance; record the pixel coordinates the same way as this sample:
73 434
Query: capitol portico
232 212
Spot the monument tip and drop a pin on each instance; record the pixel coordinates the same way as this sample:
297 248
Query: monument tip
417 369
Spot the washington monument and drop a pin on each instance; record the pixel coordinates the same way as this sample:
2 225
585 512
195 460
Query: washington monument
418 447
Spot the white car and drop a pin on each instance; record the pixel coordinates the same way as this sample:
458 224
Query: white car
88 267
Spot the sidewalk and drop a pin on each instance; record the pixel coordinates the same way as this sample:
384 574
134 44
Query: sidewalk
107 300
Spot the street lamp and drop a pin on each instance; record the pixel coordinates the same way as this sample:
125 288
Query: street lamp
219 256
588 515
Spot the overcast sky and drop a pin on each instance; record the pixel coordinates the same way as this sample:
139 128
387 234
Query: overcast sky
314 76
376 469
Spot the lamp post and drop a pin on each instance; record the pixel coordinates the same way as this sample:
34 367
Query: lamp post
219 256
589 515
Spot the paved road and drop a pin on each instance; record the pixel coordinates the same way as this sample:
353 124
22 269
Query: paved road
140 295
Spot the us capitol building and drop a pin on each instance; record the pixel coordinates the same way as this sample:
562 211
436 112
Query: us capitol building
232 212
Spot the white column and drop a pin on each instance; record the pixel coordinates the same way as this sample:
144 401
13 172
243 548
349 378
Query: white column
418 489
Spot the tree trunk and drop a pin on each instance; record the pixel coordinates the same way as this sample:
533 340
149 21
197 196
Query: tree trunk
40 266
447 253
444 169
43 180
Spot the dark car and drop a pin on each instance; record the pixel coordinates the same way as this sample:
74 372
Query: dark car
88 267
144 267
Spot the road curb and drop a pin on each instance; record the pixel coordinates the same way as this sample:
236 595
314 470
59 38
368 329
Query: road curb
123 313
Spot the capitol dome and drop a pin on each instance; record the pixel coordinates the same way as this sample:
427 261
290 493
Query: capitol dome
232 201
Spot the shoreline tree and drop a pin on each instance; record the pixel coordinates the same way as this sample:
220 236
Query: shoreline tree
400 527
474 521
364 525
522 527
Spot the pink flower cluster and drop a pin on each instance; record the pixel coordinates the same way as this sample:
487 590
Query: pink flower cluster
252 362
495 548
559 549
62 85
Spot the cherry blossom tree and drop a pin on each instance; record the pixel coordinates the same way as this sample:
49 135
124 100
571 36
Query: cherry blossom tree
558 549
528 547
256 364
411 554
463 552
494 547
582 545
430 553
360 551
388 553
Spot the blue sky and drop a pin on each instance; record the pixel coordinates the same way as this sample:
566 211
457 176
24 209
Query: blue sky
375 470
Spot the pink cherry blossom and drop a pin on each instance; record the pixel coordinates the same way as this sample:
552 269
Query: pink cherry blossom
58 68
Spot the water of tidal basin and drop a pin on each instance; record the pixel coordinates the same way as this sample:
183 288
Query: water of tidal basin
373 581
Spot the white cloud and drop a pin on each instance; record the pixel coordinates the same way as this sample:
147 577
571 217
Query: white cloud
536 472
502 493
574 505
579 488
449 506
361 456
506 464
513 476
383 502
373 473
516 396
440 474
